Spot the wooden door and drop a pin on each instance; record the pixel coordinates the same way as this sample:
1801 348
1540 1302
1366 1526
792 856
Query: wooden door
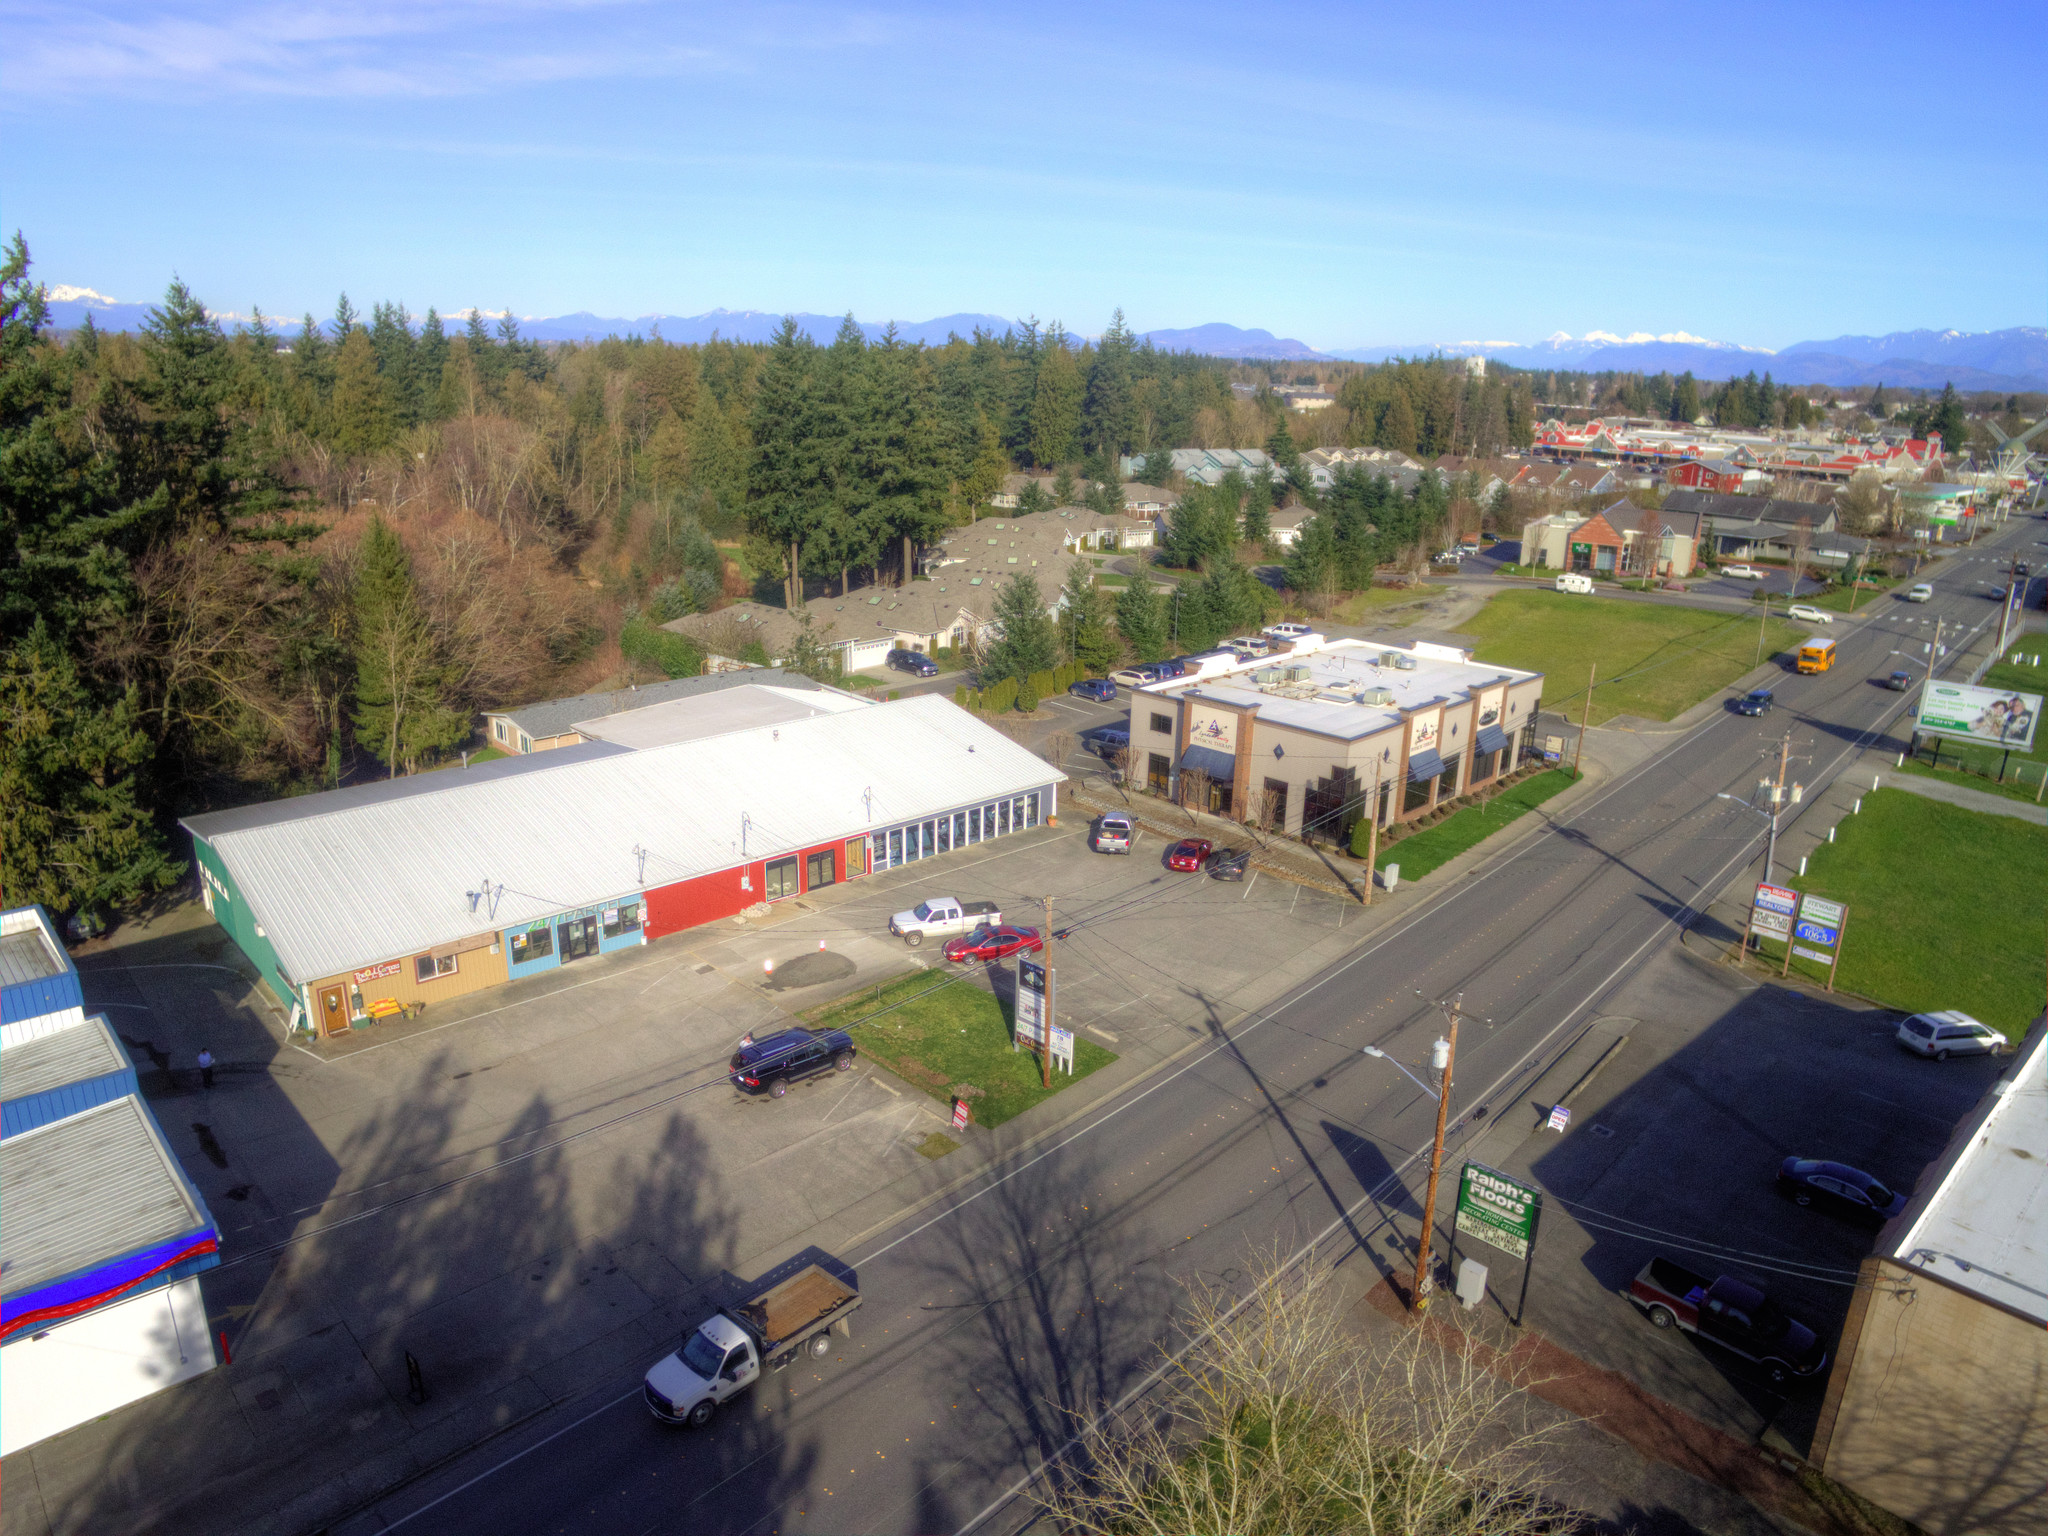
333 1016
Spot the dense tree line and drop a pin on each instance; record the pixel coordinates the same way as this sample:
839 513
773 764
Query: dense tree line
1433 406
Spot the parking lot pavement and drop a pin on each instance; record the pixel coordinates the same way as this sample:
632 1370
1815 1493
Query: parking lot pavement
1673 1150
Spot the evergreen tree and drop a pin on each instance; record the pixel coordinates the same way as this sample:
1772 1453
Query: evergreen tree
1026 641
77 834
360 414
1084 620
396 350
1056 404
1257 516
1063 487
400 714
906 478
1398 429
1141 618
1158 466
430 360
1033 498
984 477
345 318
1312 566
1947 417
1879 409
1107 410
1685 398
788 493
183 468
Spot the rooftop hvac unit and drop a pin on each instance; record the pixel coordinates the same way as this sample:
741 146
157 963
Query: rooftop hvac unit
1376 696
1266 675
1405 663
1297 672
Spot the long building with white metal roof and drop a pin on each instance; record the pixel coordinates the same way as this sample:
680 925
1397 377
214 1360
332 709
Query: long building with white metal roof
359 902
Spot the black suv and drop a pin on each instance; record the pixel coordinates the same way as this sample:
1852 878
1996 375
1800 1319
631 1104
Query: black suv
778 1060
914 662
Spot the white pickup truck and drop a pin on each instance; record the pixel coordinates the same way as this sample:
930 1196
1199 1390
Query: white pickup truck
941 917
723 1356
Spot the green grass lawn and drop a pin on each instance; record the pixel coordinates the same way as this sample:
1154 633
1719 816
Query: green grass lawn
1655 661
1944 908
945 1035
1870 590
1376 599
1434 846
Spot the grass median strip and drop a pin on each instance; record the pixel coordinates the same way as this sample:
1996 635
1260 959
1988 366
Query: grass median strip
1944 908
1656 661
943 1034
1435 846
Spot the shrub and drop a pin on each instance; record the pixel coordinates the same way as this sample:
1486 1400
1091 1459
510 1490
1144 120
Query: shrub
1027 697
660 648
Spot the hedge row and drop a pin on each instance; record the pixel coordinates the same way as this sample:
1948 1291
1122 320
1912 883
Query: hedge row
1013 693
663 648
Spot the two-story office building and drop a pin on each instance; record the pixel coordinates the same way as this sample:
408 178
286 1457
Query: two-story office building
1306 741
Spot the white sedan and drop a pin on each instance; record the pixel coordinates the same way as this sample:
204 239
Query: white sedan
1811 614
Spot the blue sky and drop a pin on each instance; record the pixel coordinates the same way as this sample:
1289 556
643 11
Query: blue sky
1349 174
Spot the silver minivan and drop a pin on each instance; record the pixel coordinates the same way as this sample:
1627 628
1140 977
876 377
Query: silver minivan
1949 1033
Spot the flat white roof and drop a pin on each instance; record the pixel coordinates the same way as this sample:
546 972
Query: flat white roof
1340 671
736 709
1982 1224
381 878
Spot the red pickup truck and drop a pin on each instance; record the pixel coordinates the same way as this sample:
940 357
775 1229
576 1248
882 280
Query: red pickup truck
1734 1314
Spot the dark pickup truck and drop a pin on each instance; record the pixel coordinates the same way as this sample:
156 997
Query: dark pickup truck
1735 1315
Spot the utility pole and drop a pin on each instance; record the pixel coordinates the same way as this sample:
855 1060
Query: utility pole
1857 582
1045 1049
1445 1053
1764 623
1585 719
1934 650
1372 836
1777 804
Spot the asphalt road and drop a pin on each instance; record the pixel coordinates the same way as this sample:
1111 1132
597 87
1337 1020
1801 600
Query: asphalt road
1044 1290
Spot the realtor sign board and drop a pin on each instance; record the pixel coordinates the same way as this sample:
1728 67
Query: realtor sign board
1496 1209
1992 717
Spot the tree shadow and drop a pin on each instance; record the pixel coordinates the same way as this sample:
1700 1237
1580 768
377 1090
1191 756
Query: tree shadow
1061 1311
478 1273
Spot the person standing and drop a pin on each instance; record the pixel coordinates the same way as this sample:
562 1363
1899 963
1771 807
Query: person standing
205 1068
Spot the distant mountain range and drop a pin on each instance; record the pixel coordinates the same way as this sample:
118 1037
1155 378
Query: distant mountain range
2013 359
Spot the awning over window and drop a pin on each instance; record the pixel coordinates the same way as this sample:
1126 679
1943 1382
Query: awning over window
1424 765
1492 738
1220 766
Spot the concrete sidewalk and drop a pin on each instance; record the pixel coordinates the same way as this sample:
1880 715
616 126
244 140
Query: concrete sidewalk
1969 799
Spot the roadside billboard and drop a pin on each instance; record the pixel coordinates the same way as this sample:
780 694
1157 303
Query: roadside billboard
1992 717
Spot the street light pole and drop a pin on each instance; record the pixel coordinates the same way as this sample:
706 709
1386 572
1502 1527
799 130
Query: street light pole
1443 1056
1585 718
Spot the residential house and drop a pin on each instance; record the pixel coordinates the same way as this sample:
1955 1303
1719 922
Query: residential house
1760 528
1208 466
1285 523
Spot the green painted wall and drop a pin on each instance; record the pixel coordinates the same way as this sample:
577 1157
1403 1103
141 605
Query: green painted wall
232 912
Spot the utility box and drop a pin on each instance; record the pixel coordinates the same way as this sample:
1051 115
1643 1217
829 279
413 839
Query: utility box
1471 1282
1390 876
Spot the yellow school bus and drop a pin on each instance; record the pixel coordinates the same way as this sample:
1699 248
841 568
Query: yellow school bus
1816 655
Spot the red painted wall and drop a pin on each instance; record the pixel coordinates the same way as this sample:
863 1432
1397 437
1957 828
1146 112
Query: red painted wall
689 903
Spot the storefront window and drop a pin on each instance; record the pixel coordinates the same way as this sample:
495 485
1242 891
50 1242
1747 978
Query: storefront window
1031 810
781 878
945 834
427 967
535 945
895 847
959 829
881 841
1418 794
818 870
974 825
1003 817
929 846
1483 766
623 919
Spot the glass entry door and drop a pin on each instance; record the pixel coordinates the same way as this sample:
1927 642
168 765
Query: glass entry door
576 938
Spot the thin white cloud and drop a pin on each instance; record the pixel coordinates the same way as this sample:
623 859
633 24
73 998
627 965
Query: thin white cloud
385 49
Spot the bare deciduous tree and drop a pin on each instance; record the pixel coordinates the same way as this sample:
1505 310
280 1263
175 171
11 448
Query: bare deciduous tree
1277 1419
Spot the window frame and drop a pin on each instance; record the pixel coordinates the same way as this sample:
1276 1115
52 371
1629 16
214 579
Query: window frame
792 885
1162 724
830 857
620 924
426 968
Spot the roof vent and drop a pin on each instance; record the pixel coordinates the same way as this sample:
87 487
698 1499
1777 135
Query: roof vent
1297 672
1406 663
1376 696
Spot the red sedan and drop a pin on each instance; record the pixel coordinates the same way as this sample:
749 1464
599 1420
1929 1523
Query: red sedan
1189 853
987 943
